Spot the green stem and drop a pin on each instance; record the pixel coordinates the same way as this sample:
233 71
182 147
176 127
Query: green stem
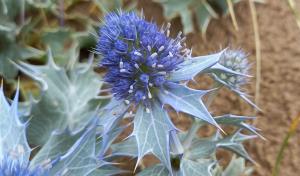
292 130
198 123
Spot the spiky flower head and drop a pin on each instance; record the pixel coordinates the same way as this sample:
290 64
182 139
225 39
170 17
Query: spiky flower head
138 55
13 167
235 60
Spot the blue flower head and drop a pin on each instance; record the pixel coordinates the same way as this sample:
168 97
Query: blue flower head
13 167
138 55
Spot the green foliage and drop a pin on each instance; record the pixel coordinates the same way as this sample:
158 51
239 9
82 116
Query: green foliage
204 11
68 97
27 27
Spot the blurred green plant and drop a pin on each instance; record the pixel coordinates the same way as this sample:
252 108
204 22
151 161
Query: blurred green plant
28 27
292 130
204 11
292 5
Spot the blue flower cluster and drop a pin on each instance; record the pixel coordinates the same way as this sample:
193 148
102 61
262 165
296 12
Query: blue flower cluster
138 55
13 167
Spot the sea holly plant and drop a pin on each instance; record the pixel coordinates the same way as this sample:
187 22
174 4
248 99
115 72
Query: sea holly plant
147 70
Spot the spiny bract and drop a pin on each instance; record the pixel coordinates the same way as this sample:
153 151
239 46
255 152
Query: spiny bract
235 60
13 167
138 55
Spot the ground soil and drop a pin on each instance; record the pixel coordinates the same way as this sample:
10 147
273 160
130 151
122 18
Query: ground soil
280 87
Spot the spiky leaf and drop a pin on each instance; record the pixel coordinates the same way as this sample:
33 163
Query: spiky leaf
199 168
80 159
68 98
203 10
156 170
193 66
13 140
151 131
187 100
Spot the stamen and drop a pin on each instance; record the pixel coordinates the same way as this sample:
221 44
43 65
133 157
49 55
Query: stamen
170 54
160 66
149 95
161 48
136 66
144 97
153 55
150 84
137 53
153 65
168 25
168 33
127 102
122 70
162 72
121 64
147 110
149 48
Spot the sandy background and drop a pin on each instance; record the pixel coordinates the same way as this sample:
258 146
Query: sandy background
280 88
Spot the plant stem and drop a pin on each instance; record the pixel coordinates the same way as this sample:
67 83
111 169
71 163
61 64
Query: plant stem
291 132
198 123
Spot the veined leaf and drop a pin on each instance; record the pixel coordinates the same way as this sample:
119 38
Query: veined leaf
237 167
80 159
13 140
186 100
68 98
193 66
57 145
125 148
156 170
200 168
151 131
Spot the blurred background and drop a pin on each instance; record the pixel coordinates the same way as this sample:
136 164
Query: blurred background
268 30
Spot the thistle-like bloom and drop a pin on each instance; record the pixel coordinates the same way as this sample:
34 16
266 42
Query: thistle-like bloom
138 55
13 167
148 69
237 61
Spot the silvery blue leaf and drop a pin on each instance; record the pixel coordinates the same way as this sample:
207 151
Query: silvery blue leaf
199 168
234 143
57 145
156 170
206 147
12 131
105 141
239 121
110 116
237 167
68 98
187 100
193 66
80 158
127 147
220 68
107 171
241 94
151 131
